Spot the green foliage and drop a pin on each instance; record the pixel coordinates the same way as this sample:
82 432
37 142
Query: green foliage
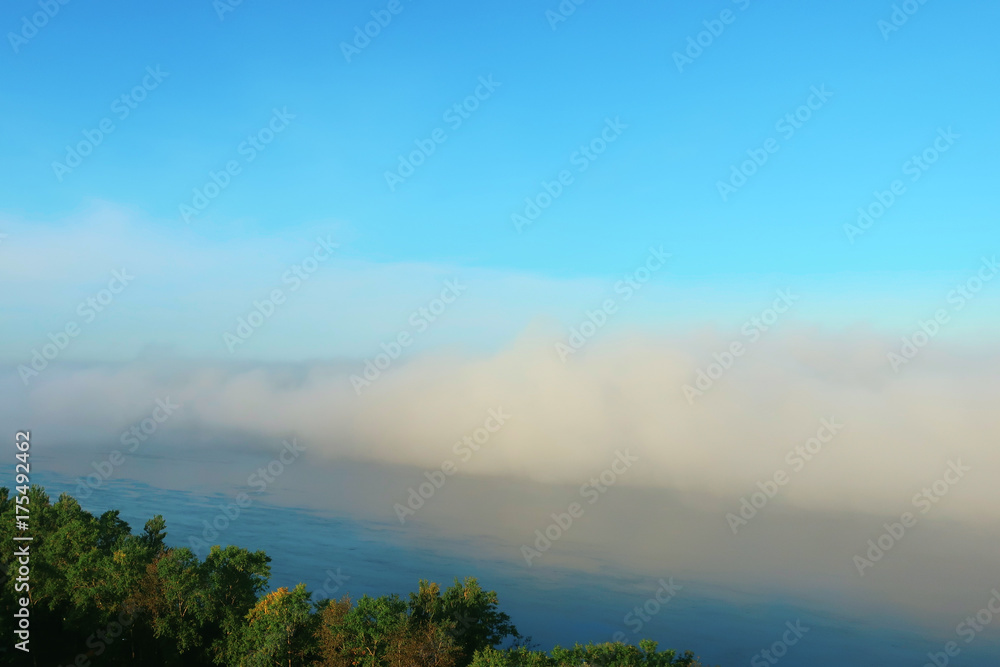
514 657
364 634
467 612
594 655
106 596
279 630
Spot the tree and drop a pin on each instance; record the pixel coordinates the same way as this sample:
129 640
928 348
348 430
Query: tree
174 594
468 613
233 578
364 634
515 657
280 630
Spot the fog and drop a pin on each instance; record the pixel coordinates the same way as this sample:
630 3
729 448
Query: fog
888 437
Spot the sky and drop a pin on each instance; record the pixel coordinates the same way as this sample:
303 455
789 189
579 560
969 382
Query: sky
694 228
680 128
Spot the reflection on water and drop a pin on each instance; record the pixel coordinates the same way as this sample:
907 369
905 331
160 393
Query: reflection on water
334 555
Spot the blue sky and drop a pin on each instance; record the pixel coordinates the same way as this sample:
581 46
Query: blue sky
655 185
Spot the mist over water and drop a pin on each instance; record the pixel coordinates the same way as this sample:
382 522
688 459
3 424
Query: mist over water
859 503
321 519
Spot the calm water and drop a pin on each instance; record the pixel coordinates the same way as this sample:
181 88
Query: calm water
554 608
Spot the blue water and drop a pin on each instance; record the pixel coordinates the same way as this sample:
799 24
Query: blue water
553 608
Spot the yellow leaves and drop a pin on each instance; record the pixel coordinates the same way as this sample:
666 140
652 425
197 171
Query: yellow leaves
274 596
267 603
